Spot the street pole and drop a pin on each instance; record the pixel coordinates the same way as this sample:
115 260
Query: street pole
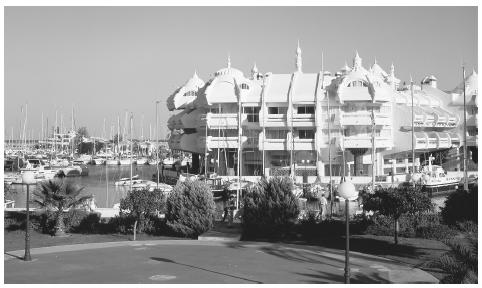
27 256
347 248
466 184
157 145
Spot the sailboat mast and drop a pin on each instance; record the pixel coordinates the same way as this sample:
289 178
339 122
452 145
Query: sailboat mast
130 157
466 184
118 134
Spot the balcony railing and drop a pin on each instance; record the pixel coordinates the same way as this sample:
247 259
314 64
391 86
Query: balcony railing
365 118
366 142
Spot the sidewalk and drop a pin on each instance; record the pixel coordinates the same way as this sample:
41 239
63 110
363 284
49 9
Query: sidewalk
200 261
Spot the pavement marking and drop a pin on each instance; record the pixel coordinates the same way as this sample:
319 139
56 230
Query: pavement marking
140 248
162 277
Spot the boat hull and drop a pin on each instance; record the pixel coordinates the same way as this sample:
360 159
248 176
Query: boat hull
112 162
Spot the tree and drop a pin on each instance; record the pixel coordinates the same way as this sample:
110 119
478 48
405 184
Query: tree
117 136
461 206
394 202
78 140
270 207
460 263
190 208
59 195
140 204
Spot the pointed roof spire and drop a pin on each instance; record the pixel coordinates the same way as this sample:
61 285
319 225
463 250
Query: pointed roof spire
392 70
357 61
299 61
229 60
255 68
375 62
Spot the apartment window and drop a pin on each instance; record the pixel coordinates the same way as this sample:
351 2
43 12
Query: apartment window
472 131
223 132
306 109
277 110
306 134
276 134
190 93
357 84
252 114
216 110
244 86
252 135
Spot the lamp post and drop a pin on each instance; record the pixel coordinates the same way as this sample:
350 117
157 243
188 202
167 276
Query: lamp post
28 178
347 191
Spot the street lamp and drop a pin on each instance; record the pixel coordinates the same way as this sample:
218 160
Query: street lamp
28 178
347 191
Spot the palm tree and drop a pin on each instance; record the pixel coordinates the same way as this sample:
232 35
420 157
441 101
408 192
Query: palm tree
59 195
460 263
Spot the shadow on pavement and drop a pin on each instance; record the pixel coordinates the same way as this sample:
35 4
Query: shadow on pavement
321 277
203 269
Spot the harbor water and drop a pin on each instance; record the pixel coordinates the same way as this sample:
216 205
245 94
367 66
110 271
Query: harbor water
105 195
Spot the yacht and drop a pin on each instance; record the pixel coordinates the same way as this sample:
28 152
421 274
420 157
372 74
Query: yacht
434 178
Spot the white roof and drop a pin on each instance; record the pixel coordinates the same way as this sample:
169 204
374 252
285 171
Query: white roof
185 94
278 88
305 88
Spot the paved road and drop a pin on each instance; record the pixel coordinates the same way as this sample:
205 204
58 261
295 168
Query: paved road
195 261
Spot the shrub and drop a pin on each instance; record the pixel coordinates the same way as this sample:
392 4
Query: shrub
436 232
270 208
461 206
190 209
81 221
139 205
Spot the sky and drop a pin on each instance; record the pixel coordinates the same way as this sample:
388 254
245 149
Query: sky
104 61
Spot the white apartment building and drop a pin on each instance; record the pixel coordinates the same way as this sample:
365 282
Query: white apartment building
292 124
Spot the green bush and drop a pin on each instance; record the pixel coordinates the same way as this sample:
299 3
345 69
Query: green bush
270 208
190 209
461 206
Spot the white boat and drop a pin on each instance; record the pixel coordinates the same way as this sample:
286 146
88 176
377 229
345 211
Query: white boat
168 161
71 171
99 161
127 181
111 162
125 161
434 177
152 162
142 161
85 159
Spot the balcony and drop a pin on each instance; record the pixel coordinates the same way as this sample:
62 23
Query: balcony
366 142
303 120
302 145
273 144
364 118
435 140
275 120
221 121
